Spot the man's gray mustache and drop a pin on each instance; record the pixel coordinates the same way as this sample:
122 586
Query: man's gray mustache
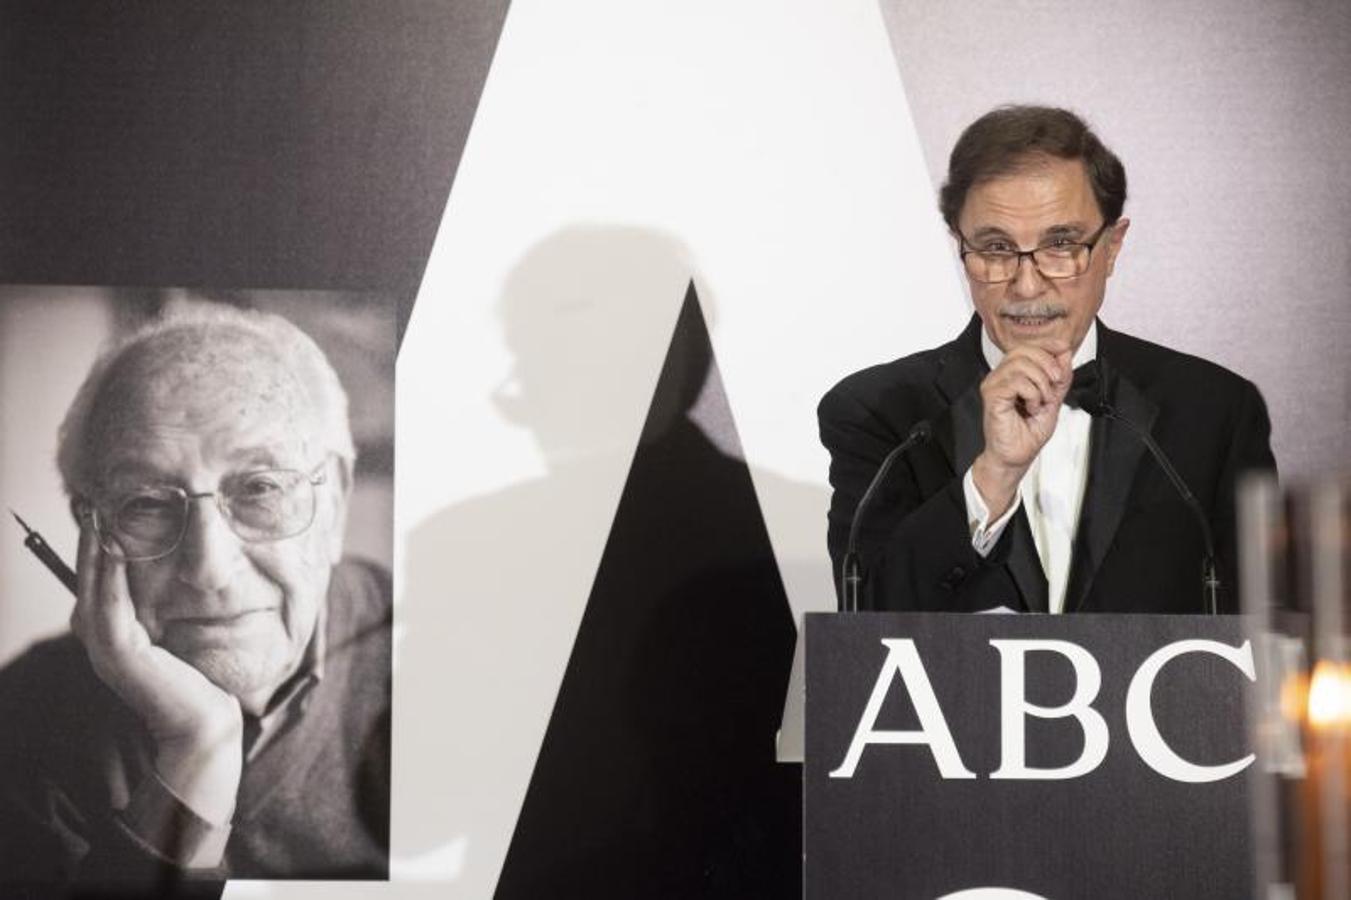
1039 311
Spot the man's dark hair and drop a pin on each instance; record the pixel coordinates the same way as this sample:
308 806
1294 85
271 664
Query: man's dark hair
1006 140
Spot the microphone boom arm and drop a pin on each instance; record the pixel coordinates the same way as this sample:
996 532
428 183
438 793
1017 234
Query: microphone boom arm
851 574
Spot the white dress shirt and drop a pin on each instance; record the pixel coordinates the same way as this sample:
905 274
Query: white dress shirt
1052 489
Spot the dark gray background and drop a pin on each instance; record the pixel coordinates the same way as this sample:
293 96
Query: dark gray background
273 144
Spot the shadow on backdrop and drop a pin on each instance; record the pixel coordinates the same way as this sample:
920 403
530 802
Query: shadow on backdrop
656 777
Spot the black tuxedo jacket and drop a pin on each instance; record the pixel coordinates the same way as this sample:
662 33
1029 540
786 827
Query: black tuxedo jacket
1138 548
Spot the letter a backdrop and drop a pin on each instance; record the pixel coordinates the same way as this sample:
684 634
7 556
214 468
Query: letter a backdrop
667 230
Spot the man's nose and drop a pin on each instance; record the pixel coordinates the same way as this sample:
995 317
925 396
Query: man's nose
209 553
1027 282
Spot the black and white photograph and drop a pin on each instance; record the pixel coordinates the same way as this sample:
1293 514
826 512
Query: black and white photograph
195 648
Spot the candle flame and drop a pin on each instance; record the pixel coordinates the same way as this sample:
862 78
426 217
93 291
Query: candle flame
1330 695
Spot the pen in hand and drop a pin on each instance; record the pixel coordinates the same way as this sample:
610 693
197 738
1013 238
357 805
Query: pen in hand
44 552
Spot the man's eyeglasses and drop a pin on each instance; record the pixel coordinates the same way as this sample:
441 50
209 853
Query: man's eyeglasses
260 506
1058 259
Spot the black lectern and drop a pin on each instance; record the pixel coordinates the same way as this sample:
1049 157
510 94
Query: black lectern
1086 756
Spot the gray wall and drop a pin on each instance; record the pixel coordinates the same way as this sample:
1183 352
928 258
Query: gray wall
1234 122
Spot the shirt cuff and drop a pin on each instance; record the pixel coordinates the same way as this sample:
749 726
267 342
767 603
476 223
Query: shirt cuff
984 533
164 825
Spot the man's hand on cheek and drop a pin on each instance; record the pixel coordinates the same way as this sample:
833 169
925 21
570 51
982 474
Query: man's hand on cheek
1021 402
197 727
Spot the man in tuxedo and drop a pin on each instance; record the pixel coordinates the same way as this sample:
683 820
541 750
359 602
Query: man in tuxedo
1030 492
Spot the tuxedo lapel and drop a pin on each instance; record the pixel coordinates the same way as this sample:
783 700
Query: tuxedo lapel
960 432
1114 455
1025 564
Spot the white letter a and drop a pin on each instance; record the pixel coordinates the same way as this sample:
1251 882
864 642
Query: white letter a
904 658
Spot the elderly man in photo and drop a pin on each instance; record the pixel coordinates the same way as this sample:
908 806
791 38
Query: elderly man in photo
221 705
1032 491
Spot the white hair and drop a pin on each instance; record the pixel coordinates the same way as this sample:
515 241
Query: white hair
204 322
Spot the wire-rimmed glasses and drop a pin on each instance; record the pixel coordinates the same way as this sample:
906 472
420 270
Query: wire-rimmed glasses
260 506
1058 259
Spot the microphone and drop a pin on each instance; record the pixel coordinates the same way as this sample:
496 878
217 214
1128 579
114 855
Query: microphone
850 571
1098 407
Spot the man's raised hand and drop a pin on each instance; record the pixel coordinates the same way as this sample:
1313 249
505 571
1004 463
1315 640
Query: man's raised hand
196 726
1021 400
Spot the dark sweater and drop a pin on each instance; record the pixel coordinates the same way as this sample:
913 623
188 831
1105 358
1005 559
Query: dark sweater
314 802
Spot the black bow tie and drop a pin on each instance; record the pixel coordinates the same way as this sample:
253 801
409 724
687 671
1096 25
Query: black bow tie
1088 390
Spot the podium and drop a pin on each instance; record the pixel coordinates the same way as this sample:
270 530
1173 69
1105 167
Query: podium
1093 756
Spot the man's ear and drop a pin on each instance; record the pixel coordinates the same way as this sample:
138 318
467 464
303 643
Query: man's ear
340 491
1116 237
80 510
